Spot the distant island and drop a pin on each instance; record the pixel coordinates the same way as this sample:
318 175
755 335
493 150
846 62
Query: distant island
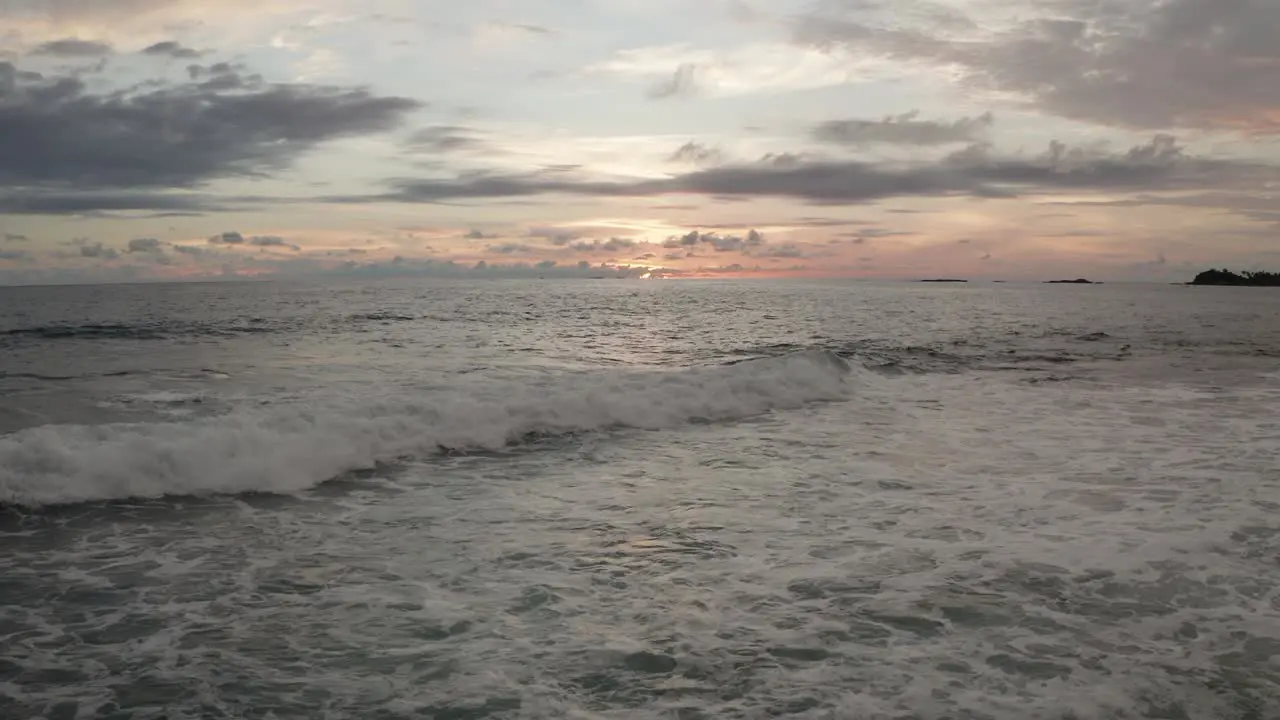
944 280
1246 278
1077 281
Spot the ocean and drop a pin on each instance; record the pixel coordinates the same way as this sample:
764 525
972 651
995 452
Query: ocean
628 499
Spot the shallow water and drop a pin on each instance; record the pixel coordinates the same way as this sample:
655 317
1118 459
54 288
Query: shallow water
667 500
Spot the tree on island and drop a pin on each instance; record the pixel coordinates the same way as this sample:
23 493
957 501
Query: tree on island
1226 277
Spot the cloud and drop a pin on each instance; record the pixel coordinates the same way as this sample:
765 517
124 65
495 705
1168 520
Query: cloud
171 49
742 12
480 235
140 20
15 255
905 129
721 243
612 246
557 236
682 83
270 241
871 233
406 267
512 249
188 250
1161 164
227 238
1204 64
97 250
695 153
73 48
16 237
529 28
680 70
789 250
233 238
145 245
59 201
444 139
60 135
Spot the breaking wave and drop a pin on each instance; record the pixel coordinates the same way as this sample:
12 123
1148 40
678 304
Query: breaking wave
291 449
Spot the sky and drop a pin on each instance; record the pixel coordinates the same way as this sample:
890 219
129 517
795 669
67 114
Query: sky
1009 139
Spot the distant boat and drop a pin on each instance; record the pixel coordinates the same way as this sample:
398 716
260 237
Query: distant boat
1077 281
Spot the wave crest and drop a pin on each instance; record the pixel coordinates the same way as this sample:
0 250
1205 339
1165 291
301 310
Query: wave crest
287 450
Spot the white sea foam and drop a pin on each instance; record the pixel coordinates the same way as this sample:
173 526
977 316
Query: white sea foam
287 450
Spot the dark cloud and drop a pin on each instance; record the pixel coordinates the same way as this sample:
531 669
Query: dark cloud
270 241
15 237
720 243
171 49
824 181
145 245
529 28
259 241
688 240
512 249
783 160
557 236
227 238
905 129
58 135
480 235
611 246
682 83
788 250
73 48
483 269
1140 63
54 201
188 250
695 153
222 78
15 255
97 250
1160 165
444 139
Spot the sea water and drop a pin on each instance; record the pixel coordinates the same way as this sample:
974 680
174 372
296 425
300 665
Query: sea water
626 499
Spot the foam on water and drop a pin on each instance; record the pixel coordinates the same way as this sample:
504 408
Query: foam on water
944 547
293 448
1024 519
